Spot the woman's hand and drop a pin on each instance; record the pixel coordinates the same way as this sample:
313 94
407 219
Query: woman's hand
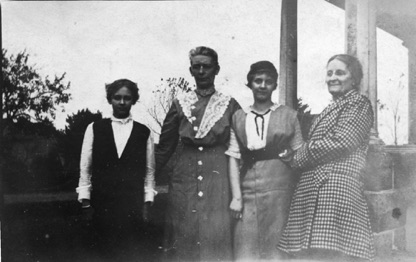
236 207
87 211
286 155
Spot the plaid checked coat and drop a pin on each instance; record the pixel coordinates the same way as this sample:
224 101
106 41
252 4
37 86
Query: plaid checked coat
328 209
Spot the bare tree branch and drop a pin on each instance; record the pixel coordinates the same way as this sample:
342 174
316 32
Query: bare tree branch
162 99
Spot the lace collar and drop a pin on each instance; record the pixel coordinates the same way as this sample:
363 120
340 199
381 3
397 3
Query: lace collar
215 109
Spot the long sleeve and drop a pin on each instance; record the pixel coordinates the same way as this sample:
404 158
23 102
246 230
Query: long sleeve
168 139
350 131
149 184
84 184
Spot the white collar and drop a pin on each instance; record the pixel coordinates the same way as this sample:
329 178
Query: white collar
122 120
272 108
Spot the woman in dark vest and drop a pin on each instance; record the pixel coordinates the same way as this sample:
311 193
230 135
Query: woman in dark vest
117 174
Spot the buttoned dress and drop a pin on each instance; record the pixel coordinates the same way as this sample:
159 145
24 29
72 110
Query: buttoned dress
268 185
329 210
199 190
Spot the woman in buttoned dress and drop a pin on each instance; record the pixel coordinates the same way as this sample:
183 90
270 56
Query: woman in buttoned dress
329 214
199 221
262 188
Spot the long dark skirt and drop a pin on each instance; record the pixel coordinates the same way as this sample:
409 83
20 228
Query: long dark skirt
198 215
119 231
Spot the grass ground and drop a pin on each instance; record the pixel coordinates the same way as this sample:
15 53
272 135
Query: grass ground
52 230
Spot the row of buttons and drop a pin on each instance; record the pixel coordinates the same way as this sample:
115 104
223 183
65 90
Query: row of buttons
200 193
193 118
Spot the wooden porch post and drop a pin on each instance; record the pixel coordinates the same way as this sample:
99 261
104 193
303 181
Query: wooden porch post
361 41
288 54
412 92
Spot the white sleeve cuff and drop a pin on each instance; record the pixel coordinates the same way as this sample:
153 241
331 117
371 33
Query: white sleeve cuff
84 192
149 194
233 154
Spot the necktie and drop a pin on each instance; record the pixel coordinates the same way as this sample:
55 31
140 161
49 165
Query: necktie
261 116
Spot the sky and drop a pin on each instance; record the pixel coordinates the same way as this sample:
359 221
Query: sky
95 43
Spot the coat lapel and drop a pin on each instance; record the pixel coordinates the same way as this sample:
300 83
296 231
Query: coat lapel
332 110
322 116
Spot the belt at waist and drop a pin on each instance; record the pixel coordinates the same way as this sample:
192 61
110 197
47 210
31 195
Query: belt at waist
251 157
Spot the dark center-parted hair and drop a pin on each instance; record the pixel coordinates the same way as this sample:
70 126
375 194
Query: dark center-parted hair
112 88
203 50
353 65
262 67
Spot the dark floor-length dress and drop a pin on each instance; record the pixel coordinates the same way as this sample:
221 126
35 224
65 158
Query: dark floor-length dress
199 191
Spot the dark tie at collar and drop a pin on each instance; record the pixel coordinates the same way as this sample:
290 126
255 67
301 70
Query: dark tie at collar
261 116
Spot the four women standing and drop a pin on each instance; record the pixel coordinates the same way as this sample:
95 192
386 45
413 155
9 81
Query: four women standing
328 214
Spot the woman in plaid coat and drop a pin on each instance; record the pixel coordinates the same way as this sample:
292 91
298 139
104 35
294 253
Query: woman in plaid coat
329 214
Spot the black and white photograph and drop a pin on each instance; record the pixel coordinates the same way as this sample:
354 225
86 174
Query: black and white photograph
208 130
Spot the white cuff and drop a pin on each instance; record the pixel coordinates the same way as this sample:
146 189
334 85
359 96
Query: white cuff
84 192
233 154
149 194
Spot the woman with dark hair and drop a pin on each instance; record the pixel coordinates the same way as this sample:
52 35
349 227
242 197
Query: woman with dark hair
329 215
260 202
116 184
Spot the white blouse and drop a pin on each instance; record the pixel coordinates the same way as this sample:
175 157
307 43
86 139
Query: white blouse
121 129
256 131
256 127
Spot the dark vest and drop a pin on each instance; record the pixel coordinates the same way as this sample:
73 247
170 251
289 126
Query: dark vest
118 179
